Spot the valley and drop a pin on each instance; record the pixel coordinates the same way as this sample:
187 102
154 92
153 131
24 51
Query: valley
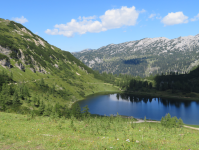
41 86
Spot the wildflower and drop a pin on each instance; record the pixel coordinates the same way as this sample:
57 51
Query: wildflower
128 140
111 147
117 139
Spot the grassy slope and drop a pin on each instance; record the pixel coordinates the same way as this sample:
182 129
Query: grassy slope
66 77
90 84
18 132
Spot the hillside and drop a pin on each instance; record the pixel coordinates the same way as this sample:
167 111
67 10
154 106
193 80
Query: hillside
33 71
144 57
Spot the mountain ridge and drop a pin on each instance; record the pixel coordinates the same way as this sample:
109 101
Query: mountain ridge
159 48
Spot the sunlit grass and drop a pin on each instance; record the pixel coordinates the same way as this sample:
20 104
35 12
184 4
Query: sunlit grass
19 132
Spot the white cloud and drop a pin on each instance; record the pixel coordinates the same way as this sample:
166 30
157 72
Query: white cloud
114 18
174 18
155 16
152 16
21 20
195 18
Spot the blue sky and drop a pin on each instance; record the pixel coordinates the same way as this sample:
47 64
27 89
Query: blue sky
80 24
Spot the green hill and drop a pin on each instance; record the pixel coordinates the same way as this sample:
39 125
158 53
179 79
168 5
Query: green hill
34 71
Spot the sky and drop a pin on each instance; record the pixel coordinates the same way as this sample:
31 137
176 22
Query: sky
75 25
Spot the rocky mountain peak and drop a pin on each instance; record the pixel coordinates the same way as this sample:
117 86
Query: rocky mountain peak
118 57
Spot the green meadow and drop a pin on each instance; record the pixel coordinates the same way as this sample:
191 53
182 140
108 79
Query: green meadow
95 132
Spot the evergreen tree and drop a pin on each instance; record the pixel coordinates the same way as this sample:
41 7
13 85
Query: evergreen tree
57 110
11 90
86 111
16 100
42 82
38 102
76 111
6 95
150 85
2 102
34 100
41 108
48 110
11 75
180 123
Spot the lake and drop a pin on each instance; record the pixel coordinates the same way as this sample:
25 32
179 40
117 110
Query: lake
139 107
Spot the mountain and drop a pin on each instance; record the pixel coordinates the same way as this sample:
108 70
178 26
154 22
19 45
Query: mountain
30 63
144 57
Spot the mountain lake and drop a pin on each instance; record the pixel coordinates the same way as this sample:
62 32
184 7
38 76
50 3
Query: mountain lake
139 107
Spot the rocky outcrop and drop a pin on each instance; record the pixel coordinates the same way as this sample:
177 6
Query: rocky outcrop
20 66
5 62
55 65
41 70
33 70
5 51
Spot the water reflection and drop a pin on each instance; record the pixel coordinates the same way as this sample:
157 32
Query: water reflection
165 102
140 106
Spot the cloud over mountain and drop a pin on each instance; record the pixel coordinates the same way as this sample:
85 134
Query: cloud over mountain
21 20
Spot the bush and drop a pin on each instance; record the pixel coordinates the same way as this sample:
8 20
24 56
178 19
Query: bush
173 122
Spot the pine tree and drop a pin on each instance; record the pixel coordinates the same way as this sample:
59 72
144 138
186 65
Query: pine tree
48 110
11 90
86 111
11 75
2 102
38 102
168 120
41 108
180 123
76 111
16 100
6 95
42 82
34 100
57 110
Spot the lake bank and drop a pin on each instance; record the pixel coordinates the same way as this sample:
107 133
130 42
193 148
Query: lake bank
165 94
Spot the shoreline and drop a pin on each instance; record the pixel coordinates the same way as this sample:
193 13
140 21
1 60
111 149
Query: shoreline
161 95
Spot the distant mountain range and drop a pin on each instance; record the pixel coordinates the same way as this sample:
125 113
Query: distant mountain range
144 57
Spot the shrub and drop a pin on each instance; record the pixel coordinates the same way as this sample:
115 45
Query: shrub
169 122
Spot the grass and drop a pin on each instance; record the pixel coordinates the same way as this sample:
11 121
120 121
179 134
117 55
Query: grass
20 132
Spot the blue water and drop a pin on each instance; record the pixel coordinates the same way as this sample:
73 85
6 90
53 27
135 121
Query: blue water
139 107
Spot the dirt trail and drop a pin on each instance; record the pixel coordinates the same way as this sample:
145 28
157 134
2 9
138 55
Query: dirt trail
140 121
191 127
